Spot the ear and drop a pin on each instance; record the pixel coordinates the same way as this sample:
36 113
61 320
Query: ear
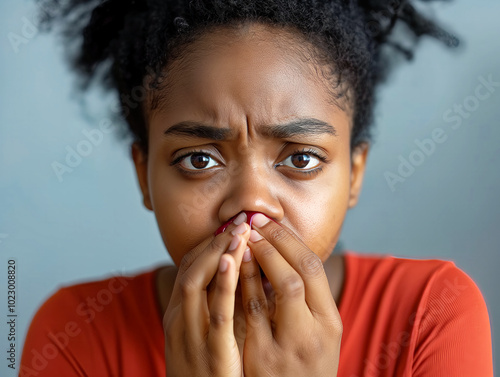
140 158
358 163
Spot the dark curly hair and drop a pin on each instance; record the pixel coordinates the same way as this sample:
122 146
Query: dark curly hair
125 41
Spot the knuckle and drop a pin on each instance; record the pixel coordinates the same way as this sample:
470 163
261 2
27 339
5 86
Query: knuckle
267 251
249 275
218 319
187 286
219 242
302 353
278 234
310 349
255 306
316 346
293 286
311 264
186 261
335 326
338 327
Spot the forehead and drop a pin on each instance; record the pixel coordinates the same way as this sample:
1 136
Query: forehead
254 70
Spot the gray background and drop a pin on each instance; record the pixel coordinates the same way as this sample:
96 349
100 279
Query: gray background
92 224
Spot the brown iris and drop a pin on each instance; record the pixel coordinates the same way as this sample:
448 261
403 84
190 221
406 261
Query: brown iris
199 161
301 160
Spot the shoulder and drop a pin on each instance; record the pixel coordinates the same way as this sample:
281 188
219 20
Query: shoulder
80 326
391 266
423 281
437 305
84 300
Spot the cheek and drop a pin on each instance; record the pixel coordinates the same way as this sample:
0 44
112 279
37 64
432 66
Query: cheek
320 212
184 210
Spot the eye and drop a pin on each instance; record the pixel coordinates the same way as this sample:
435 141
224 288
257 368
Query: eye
303 160
195 161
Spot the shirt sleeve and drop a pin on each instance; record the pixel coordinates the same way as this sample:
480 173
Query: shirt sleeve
54 339
454 337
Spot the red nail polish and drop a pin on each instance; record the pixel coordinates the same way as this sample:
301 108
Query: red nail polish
250 215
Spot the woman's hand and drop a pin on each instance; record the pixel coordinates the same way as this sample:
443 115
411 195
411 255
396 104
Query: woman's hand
199 335
301 336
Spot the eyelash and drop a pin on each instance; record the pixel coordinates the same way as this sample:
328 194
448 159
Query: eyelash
312 152
308 173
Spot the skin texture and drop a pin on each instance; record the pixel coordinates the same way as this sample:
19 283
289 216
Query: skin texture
246 81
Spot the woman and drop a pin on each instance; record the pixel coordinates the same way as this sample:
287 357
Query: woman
251 112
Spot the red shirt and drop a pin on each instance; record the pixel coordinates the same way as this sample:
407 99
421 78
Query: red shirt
401 317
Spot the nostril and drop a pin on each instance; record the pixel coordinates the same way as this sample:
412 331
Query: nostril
250 215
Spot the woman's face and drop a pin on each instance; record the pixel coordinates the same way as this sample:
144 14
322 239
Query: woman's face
247 124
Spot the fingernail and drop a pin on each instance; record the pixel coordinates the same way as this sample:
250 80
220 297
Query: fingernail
234 243
240 229
223 265
259 220
247 255
255 236
240 219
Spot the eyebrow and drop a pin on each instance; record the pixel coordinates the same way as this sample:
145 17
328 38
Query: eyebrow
297 127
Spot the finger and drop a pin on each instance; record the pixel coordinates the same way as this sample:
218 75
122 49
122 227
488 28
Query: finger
237 252
209 250
254 300
237 226
305 262
243 230
190 288
221 338
290 308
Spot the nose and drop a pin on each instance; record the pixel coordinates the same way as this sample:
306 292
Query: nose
252 190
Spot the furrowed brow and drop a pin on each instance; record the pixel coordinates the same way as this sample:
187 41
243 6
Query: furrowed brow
200 131
297 127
